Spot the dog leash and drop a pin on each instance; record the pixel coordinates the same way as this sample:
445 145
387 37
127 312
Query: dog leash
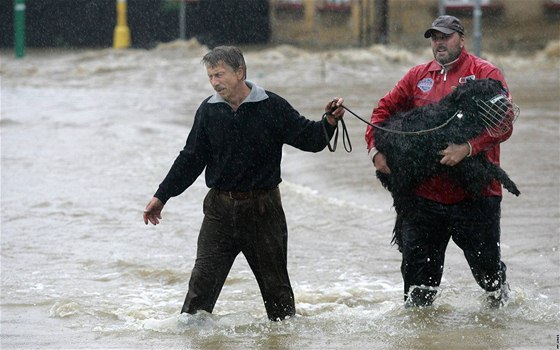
346 137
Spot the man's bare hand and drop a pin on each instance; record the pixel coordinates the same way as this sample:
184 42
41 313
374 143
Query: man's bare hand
334 110
454 154
380 163
152 213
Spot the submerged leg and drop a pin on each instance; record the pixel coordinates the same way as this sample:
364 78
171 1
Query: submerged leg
477 233
424 241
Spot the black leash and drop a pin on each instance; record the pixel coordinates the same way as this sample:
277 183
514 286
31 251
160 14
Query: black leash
346 138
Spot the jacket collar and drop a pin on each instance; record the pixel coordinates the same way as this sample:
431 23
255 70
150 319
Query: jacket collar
257 94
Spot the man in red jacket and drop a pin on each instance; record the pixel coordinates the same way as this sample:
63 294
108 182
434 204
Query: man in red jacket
443 209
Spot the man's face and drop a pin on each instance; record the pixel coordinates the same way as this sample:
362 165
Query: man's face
446 47
225 80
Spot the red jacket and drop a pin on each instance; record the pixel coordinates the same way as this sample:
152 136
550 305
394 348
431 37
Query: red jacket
428 83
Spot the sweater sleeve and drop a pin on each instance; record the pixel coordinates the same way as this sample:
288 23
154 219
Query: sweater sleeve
189 164
302 133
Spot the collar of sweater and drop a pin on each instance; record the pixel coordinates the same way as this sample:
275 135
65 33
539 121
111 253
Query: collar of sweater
257 94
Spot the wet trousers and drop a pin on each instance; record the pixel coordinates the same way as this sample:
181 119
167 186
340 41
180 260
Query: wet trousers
255 227
474 225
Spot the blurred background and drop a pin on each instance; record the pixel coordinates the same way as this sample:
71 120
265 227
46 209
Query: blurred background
507 25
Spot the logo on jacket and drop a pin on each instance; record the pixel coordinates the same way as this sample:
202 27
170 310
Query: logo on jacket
463 80
425 84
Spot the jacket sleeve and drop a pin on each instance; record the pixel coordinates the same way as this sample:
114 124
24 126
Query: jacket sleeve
399 98
188 165
485 141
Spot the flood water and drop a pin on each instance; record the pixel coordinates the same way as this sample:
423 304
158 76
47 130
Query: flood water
86 137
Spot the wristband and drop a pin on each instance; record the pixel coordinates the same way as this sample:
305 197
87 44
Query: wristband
371 153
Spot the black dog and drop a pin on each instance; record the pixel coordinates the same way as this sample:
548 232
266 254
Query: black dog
416 136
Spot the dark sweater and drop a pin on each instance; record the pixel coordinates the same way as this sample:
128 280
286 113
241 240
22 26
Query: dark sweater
242 150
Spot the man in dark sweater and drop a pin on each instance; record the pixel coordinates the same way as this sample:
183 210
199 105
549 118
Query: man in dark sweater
237 136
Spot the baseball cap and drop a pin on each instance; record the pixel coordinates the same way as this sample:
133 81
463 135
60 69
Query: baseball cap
447 25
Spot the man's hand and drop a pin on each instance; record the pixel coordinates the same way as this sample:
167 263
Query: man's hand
334 110
453 154
380 163
152 213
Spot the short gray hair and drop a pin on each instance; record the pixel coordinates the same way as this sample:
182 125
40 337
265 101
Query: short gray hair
229 55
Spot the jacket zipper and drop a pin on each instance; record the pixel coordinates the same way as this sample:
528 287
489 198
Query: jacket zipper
444 72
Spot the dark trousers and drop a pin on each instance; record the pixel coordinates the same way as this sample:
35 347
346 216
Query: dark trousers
257 228
474 226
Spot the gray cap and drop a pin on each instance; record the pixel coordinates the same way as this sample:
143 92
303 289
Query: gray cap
446 25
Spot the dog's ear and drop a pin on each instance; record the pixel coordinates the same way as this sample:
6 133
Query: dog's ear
496 81
458 92
501 89
495 86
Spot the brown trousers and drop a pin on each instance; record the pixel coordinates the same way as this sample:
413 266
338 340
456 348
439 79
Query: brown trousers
255 227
